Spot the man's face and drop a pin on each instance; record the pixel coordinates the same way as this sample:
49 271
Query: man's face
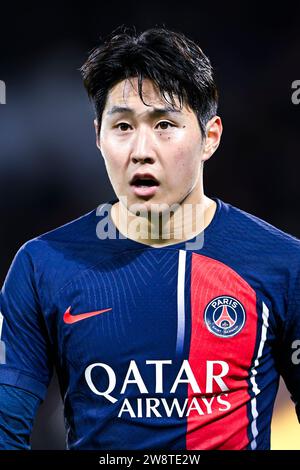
166 144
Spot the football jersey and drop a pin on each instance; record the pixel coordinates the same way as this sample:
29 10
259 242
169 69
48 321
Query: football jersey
176 347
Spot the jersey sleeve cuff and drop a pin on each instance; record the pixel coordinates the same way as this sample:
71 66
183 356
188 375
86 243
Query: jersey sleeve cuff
21 380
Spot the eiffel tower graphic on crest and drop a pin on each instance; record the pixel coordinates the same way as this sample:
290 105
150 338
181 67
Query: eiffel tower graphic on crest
224 320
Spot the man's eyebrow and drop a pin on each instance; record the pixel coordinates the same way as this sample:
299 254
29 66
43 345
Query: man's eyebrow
124 109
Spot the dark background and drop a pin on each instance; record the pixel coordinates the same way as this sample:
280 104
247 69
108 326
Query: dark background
50 168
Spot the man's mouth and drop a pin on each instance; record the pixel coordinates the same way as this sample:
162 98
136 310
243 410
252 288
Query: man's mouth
144 184
144 179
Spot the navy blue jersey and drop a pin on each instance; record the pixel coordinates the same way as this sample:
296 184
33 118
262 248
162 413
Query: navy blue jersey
172 347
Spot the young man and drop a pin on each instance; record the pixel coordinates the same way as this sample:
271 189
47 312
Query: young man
168 315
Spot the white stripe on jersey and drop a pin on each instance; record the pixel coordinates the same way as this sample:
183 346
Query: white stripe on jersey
255 389
180 301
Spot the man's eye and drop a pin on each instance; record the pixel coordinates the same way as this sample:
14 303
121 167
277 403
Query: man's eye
165 122
122 124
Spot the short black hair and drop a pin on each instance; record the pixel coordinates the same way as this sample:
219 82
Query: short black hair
175 64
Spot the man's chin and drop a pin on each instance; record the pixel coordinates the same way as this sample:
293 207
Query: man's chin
156 204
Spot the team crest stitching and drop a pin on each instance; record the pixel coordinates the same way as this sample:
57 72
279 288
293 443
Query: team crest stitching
224 316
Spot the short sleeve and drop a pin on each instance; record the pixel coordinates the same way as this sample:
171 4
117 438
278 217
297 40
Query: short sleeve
25 358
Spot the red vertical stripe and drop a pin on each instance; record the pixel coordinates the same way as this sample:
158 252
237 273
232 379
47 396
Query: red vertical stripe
219 427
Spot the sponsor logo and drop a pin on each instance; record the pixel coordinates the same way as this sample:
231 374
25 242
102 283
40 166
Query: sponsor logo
224 316
68 318
136 397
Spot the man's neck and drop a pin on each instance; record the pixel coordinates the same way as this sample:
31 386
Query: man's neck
187 221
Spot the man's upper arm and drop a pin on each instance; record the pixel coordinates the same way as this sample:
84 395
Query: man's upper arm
17 412
25 357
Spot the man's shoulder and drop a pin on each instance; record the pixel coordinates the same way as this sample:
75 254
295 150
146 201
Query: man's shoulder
56 256
75 230
253 229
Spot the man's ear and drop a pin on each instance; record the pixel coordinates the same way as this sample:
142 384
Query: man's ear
97 134
214 130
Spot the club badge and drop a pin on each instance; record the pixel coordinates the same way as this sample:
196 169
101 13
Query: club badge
224 316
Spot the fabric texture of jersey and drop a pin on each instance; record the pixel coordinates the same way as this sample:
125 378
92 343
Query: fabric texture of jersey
178 347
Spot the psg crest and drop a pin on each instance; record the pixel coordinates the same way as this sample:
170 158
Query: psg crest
224 316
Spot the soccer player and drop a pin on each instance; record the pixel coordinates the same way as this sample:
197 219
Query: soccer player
168 315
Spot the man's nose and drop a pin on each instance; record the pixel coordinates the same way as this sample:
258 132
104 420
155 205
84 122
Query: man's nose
143 147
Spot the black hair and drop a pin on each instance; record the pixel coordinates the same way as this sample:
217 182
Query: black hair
175 64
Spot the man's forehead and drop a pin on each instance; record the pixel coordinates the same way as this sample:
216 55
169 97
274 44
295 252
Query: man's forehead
129 87
125 94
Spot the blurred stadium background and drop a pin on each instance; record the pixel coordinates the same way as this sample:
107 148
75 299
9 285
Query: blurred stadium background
51 171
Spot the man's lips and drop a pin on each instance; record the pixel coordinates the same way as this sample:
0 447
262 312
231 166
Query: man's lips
148 178
144 190
144 184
